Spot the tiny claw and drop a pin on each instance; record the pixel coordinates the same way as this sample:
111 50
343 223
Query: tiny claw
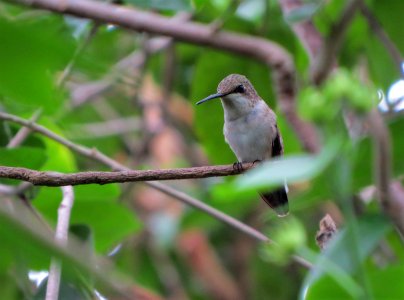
238 166
256 161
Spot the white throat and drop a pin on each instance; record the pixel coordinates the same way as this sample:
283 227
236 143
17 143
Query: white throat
236 106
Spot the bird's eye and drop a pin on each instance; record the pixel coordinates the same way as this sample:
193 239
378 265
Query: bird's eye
240 89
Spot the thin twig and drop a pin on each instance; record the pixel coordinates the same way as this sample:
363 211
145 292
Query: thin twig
112 127
382 155
23 133
61 234
100 157
92 153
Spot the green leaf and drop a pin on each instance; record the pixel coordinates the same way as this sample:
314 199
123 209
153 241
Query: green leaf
97 207
110 222
337 259
382 282
382 67
25 157
60 158
97 193
290 168
27 72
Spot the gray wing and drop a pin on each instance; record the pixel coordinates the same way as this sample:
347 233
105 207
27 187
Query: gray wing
277 199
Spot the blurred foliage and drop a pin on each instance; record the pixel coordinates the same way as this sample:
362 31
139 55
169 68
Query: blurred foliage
120 222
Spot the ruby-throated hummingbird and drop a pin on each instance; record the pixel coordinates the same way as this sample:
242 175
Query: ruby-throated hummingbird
250 129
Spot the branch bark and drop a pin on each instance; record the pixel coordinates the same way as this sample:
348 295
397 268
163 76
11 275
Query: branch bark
260 49
59 179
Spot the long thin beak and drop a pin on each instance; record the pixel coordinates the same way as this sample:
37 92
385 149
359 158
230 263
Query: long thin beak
214 96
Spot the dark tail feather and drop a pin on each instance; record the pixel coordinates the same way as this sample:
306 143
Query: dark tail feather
277 200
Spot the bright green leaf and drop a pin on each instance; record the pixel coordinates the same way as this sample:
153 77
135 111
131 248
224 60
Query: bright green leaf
111 222
60 158
95 206
382 282
289 168
30 54
25 157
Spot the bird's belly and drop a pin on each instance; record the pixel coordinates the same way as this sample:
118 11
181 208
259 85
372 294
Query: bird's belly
249 142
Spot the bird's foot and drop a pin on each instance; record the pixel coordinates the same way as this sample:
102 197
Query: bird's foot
238 166
256 161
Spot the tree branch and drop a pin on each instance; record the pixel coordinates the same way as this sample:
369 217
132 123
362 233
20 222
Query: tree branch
186 199
60 179
261 49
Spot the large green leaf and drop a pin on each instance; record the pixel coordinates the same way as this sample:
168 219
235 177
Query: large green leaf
382 66
111 222
95 206
289 168
30 53
60 158
381 283
98 57
26 157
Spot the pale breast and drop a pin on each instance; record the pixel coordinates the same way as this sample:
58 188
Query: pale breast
250 137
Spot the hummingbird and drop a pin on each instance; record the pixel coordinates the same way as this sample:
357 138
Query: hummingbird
251 130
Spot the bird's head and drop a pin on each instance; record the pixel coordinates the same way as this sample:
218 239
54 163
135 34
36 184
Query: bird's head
237 93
